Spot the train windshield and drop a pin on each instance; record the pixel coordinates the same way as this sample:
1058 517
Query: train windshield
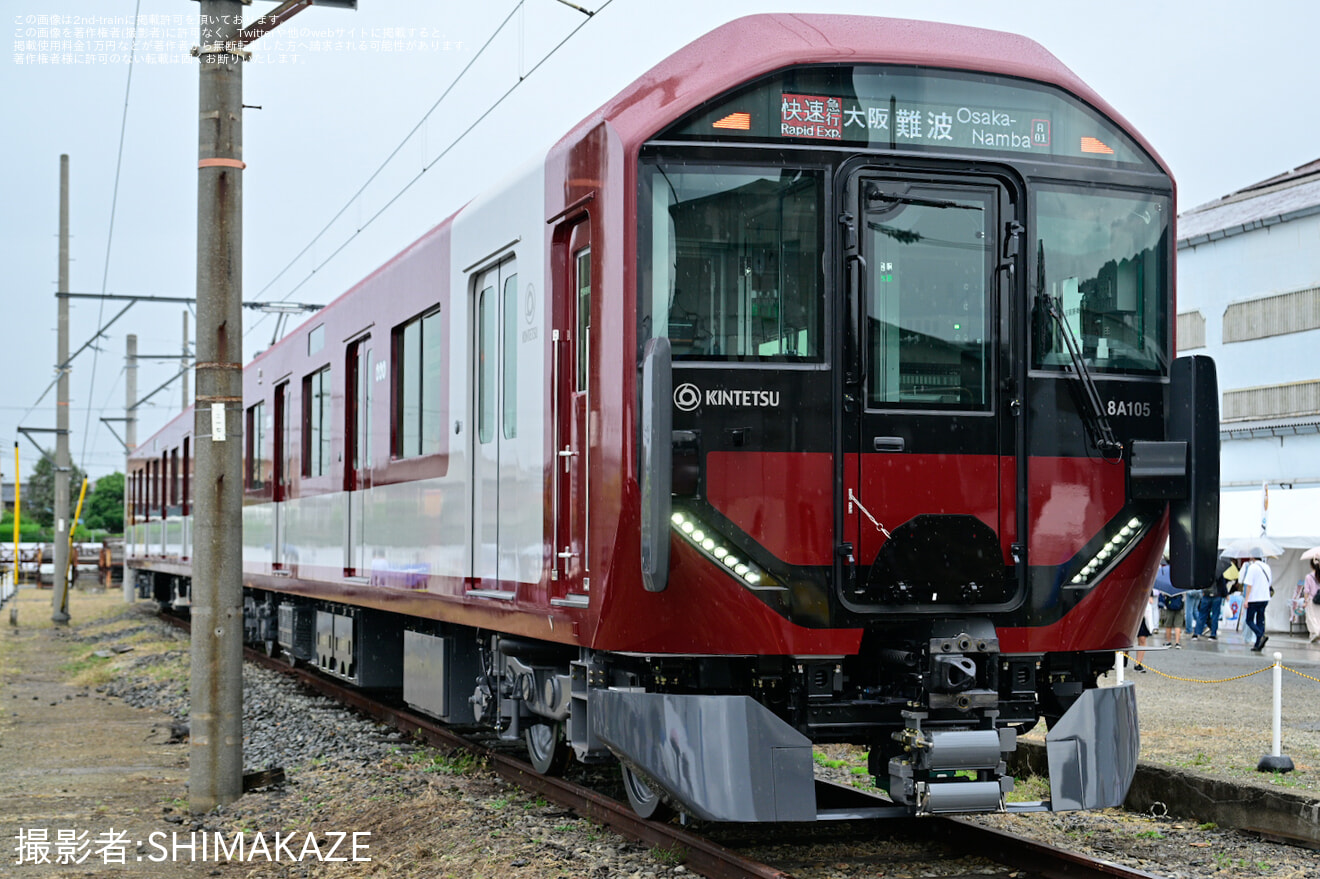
1104 256
731 261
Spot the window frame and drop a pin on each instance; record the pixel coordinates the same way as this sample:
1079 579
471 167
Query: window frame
317 422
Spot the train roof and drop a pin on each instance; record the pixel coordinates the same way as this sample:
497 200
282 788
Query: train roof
755 45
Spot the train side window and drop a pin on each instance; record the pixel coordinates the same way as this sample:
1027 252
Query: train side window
417 370
174 477
187 473
510 379
256 445
486 365
316 423
283 465
163 489
358 407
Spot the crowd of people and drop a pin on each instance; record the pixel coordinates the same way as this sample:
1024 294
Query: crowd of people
1247 583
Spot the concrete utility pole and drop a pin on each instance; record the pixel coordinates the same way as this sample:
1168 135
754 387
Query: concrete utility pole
60 598
130 443
215 770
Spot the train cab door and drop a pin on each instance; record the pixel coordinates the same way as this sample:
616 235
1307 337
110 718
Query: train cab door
494 451
928 502
359 381
572 338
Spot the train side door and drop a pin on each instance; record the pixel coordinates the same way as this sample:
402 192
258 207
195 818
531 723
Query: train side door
357 454
493 450
572 418
924 492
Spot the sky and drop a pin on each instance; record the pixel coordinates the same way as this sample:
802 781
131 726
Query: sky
345 167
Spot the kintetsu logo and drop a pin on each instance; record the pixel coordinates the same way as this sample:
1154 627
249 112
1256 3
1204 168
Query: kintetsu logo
687 396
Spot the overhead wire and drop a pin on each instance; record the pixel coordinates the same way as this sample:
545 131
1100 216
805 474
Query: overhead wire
390 157
110 233
523 77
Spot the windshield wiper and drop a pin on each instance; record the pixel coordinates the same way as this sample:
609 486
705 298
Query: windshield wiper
1097 425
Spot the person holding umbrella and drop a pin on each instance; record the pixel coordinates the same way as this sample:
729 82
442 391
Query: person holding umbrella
1309 591
1256 579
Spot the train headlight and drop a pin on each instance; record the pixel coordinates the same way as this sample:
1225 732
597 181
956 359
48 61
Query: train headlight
711 544
1117 545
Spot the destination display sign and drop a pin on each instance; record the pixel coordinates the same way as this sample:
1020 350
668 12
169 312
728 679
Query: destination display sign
897 108
832 118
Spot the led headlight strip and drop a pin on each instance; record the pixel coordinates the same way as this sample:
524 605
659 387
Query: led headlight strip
1114 547
713 546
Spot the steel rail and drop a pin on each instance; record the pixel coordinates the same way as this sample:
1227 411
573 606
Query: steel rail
701 855
1035 859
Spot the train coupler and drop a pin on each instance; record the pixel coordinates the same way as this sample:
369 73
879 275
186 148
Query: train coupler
951 770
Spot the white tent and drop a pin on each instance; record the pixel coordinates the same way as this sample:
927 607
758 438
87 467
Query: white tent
1291 518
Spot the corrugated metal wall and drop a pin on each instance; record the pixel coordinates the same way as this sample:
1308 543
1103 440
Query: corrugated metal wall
1271 316
1191 331
1272 401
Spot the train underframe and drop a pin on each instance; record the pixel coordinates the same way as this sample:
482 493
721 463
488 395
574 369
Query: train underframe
729 738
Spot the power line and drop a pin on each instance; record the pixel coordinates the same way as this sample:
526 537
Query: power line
110 233
522 78
390 157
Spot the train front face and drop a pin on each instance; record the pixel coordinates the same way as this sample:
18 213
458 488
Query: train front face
916 321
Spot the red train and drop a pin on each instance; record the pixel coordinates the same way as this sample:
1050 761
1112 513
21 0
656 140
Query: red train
817 388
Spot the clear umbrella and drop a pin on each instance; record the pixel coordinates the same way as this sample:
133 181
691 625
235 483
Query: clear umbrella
1252 548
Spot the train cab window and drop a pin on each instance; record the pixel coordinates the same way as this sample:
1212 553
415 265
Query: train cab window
418 366
317 425
731 261
582 259
254 454
1105 257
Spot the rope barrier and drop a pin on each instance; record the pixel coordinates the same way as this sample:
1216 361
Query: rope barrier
1197 680
1275 761
1300 674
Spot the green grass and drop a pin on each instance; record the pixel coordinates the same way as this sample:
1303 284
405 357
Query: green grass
440 763
671 856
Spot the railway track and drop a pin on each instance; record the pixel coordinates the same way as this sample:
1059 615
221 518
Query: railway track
954 838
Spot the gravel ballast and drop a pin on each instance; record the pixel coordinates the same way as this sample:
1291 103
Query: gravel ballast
432 814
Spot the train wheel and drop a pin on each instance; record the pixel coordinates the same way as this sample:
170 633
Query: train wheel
645 801
546 747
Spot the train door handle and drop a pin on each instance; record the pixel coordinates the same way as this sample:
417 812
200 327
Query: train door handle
567 454
889 443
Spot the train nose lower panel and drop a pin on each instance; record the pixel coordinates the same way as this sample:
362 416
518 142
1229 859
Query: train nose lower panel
1093 748
720 758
